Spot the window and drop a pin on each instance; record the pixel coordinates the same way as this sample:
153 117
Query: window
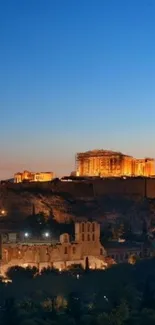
101 251
74 250
93 226
82 237
88 237
66 238
65 250
93 238
89 227
82 226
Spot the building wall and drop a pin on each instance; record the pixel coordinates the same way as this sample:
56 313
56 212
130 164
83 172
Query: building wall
33 177
60 255
43 177
145 167
118 186
18 178
127 187
150 187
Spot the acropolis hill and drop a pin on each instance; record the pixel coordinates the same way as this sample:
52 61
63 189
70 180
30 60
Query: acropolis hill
106 163
76 200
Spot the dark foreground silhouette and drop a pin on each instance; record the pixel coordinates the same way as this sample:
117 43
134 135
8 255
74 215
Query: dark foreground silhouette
121 295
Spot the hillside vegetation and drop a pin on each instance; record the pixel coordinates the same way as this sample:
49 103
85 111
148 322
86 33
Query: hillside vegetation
64 207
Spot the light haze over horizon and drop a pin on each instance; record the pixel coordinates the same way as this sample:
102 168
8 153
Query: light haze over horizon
75 75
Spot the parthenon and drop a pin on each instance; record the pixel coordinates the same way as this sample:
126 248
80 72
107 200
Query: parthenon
107 163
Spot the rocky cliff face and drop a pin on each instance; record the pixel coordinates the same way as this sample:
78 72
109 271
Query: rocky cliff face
65 207
62 206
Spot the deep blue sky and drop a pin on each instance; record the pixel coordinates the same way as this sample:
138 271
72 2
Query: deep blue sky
75 75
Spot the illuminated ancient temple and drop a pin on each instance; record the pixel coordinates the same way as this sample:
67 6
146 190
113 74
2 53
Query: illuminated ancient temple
33 177
106 163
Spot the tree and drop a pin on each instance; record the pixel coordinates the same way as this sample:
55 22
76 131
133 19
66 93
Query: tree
10 316
35 223
117 316
30 322
144 228
121 313
49 270
148 299
146 316
76 269
18 272
118 231
74 305
60 303
103 319
132 259
64 319
55 181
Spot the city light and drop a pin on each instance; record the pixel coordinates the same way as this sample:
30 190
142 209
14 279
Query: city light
26 234
46 234
2 212
25 265
6 280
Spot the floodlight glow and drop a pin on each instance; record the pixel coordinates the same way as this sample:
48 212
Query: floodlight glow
46 234
26 234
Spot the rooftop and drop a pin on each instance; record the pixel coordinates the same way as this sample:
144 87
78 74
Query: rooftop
102 152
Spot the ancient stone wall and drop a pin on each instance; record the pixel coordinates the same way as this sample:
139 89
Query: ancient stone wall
129 186
150 188
44 255
120 187
77 189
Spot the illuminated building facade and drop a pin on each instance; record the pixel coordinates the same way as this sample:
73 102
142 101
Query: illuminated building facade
33 177
106 163
60 255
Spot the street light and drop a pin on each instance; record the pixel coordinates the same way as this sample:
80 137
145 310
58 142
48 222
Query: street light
2 212
26 235
46 234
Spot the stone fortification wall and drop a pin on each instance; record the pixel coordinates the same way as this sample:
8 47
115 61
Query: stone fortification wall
77 189
120 187
131 186
150 188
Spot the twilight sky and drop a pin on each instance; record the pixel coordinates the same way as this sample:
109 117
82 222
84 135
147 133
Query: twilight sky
75 75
